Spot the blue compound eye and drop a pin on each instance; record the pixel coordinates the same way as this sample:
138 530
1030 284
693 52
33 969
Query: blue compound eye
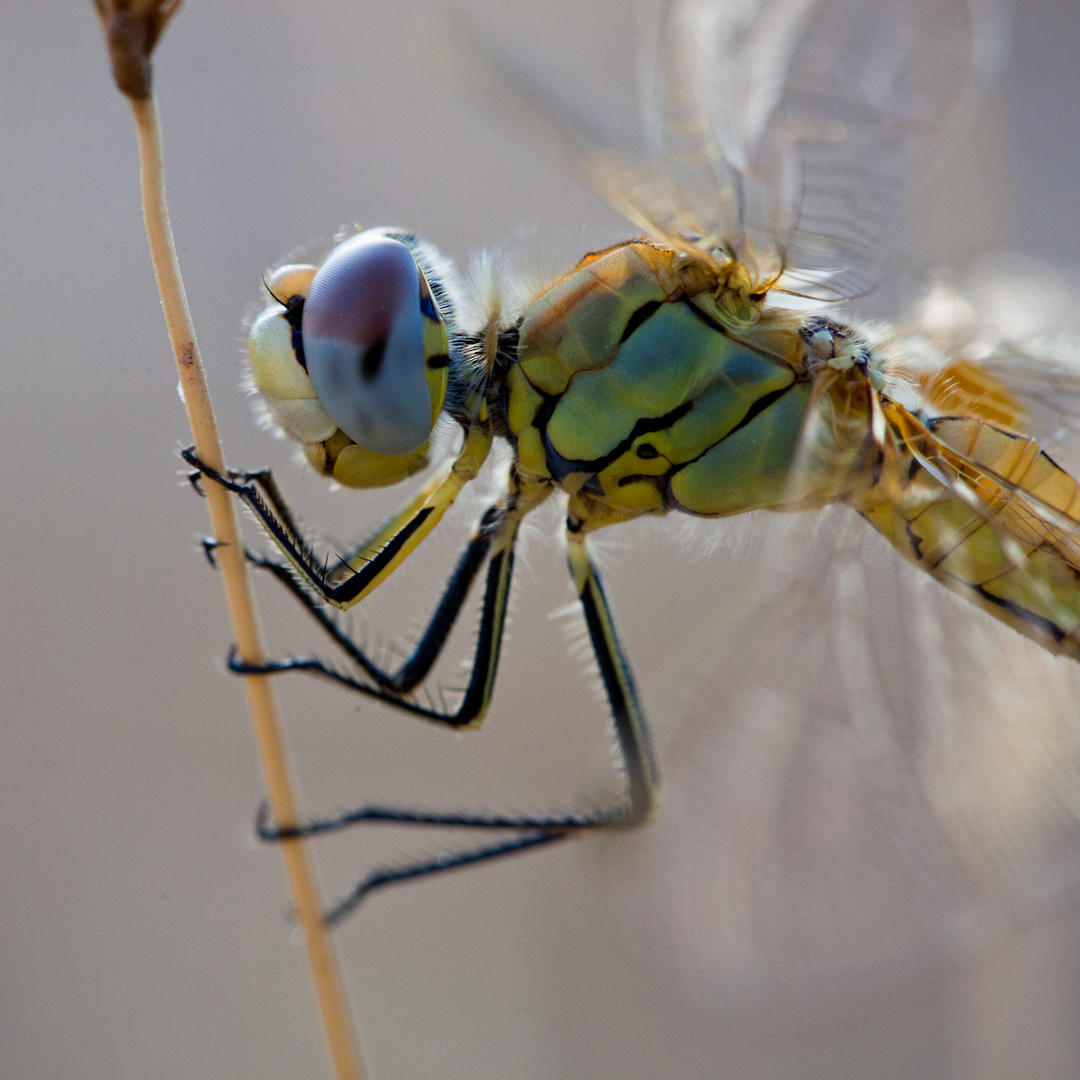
364 344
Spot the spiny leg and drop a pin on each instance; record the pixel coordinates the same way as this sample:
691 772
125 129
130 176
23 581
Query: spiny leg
369 566
642 781
385 549
448 861
631 726
631 729
527 832
498 533
239 478
417 665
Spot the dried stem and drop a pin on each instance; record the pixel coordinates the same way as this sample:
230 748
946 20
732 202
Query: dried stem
132 29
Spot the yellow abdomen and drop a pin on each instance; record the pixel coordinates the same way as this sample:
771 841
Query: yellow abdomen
1000 531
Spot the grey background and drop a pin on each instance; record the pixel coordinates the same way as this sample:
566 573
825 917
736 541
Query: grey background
141 934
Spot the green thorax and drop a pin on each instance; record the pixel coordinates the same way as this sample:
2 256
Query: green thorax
635 386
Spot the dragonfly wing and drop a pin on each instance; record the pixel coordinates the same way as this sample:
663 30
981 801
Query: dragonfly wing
792 131
783 133
1017 321
866 775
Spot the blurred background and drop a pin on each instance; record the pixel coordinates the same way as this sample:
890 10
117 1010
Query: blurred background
142 932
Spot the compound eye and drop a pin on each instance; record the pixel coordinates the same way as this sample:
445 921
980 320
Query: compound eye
364 344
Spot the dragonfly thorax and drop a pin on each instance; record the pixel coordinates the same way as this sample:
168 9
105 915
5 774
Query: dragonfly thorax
633 387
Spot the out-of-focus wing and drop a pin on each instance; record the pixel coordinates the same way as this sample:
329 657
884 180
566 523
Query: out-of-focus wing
786 134
866 776
791 132
1017 322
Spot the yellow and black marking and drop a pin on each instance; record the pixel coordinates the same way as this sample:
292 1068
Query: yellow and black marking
629 387
990 515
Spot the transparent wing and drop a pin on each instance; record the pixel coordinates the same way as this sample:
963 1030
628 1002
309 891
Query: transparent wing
1017 320
866 775
784 133
791 132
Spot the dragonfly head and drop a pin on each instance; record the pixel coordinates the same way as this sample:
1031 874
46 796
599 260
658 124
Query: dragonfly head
356 366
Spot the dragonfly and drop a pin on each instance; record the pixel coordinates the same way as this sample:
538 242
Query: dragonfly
702 368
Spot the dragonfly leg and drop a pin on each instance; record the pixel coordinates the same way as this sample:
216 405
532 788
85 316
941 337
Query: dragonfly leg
495 541
417 665
258 489
390 687
526 831
631 727
367 567
426 651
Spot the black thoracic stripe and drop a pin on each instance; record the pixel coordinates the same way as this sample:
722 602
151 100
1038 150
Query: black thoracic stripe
1049 628
758 407
639 316
372 361
562 467
363 577
710 322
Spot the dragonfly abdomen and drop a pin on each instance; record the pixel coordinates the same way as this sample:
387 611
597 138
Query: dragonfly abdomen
990 515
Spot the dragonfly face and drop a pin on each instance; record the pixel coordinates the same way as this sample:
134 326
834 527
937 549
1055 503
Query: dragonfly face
659 376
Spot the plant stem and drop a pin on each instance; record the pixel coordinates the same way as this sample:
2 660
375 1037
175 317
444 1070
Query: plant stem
325 971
